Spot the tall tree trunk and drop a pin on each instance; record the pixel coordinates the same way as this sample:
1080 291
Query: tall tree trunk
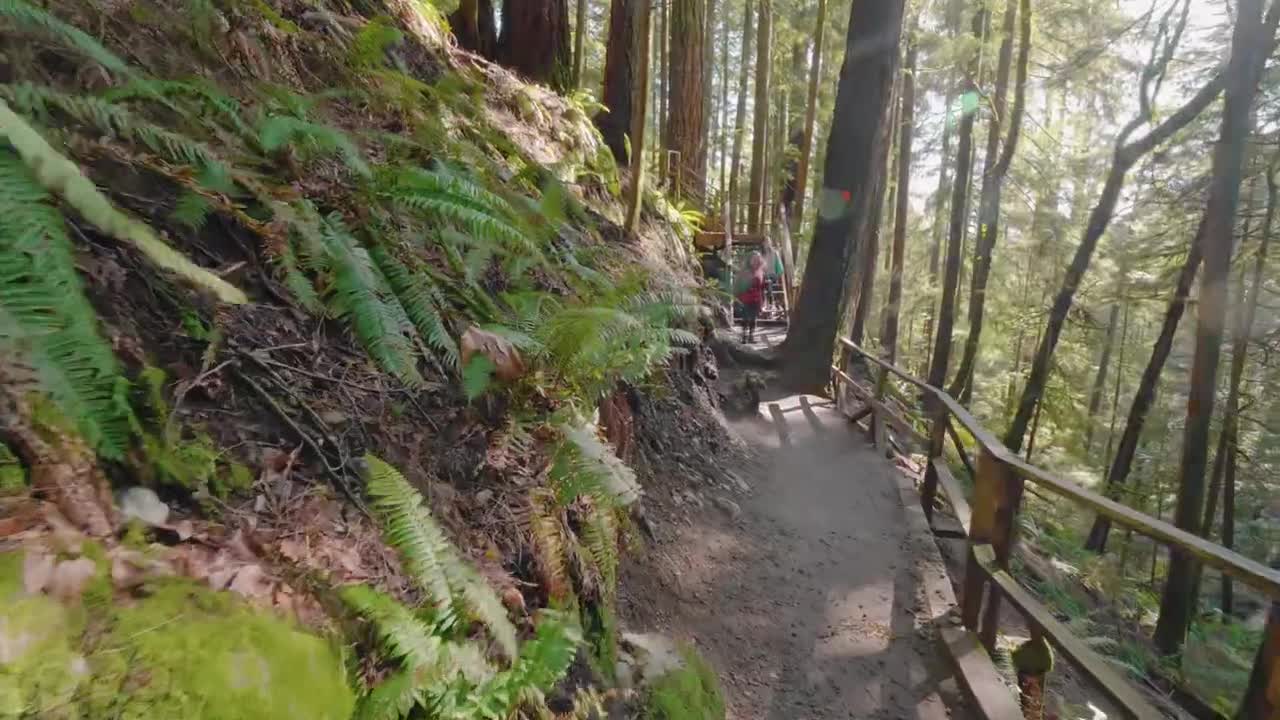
664 79
941 355
760 127
474 28
906 136
1126 154
686 132
1100 379
1115 395
810 118
579 42
1145 395
1250 41
852 171
1244 331
722 141
535 41
739 123
709 90
639 40
993 183
624 56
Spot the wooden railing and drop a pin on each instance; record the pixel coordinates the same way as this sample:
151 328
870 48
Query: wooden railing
989 523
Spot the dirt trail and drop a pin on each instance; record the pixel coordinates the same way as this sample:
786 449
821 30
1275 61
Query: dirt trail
809 601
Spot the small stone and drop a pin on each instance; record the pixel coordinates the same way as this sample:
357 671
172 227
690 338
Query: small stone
730 507
140 503
484 497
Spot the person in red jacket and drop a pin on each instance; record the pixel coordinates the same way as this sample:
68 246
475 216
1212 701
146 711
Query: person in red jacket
751 296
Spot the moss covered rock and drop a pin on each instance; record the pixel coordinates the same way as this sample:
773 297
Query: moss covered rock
180 651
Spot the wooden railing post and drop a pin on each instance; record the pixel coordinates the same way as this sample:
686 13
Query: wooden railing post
879 423
1262 699
937 436
996 496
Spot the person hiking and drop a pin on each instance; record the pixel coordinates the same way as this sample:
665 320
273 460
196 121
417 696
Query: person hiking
751 294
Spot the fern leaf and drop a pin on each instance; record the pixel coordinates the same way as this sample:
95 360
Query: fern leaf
357 297
392 699
442 575
542 662
551 542
34 19
191 209
61 176
49 317
421 302
600 540
583 464
310 138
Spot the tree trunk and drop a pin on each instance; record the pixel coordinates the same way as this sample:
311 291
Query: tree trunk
739 123
1125 156
810 117
906 135
941 355
993 184
579 42
709 81
1145 396
723 112
1115 395
474 29
1100 379
535 41
760 126
1250 42
639 12
686 132
664 79
852 172
624 55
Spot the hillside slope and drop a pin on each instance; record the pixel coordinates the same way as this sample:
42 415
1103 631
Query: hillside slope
326 267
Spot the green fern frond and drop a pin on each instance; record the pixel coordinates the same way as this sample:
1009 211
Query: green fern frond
368 48
443 576
392 699
49 319
584 464
358 296
191 209
467 215
39 101
600 540
421 302
62 177
34 19
542 662
451 184
310 139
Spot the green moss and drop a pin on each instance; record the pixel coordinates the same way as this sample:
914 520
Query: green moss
13 477
691 692
40 669
191 653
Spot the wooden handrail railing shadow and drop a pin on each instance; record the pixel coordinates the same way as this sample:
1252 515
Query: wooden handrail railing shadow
989 524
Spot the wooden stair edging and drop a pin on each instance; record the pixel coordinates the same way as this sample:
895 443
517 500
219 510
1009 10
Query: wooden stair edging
975 672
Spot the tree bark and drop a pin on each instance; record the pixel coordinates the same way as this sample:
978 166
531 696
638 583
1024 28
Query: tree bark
1125 156
639 12
1250 41
739 123
845 206
624 55
1100 378
722 112
535 41
810 118
760 126
579 42
686 131
474 28
1145 396
906 135
709 81
664 78
941 355
993 183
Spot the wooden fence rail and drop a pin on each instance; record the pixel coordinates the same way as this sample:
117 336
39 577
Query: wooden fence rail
989 522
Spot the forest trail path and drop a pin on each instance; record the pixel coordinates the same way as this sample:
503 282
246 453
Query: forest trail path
809 603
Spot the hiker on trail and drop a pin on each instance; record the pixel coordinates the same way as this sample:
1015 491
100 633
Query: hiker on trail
772 271
751 294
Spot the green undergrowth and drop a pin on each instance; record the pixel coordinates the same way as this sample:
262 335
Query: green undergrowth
690 692
179 650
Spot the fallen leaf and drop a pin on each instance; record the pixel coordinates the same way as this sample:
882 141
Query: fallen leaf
507 363
251 582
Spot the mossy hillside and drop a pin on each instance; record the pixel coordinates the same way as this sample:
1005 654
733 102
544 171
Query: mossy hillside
183 651
690 692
